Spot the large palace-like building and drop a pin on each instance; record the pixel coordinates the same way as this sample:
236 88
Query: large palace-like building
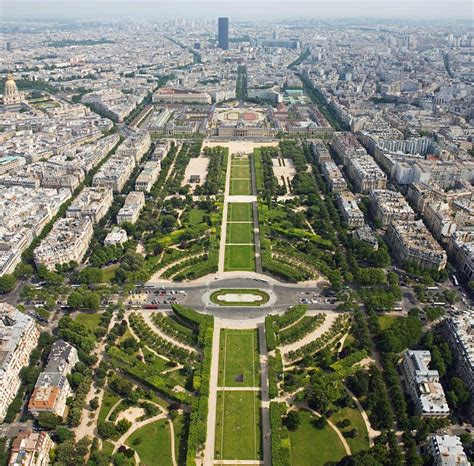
12 99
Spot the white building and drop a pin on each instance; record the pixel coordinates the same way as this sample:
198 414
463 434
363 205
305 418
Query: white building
131 210
447 450
50 394
18 337
423 385
116 236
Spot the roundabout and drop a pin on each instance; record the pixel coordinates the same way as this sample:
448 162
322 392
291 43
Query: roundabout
239 297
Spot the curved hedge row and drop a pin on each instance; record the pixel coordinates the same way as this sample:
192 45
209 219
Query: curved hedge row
160 345
298 331
173 329
339 326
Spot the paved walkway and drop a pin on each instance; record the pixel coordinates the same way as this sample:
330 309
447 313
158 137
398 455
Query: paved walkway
212 402
266 439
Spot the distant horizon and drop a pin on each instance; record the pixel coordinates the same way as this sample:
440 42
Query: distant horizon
263 9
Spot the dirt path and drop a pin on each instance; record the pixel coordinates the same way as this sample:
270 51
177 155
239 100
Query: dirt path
334 428
212 402
372 432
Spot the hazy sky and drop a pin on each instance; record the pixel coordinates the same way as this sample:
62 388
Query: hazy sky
244 9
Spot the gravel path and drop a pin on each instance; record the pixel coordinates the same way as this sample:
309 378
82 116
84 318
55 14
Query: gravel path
212 402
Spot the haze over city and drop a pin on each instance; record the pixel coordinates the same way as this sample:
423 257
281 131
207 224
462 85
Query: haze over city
236 233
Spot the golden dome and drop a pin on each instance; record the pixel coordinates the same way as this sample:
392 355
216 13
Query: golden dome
10 86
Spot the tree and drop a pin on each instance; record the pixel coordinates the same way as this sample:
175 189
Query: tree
91 276
94 403
458 395
49 421
63 434
7 283
292 420
23 270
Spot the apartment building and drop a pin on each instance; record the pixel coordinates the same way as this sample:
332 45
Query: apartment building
347 146
62 358
320 151
148 176
50 394
10 162
387 206
459 333
67 241
92 202
18 337
423 385
31 449
136 145
366 174
333 176
161 150
115 172
410 241
349 209
446 450
133 205
461 247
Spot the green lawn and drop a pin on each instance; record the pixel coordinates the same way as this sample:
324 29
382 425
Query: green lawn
238 426
109 272
238 357
361 442
91 321
239 171
110 398
240 212
107 448
312 446
240 188
239 258
196 216
154 447
158 364
386 322
239 233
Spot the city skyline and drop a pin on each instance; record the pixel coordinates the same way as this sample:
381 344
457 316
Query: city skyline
155 9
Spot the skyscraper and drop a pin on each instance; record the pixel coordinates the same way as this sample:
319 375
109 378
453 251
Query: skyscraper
223 33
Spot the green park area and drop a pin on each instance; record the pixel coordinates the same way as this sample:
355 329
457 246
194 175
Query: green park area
312 445
90 320
151 439
238 358
238 426
240 177
347 419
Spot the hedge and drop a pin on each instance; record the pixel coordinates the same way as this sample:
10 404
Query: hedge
280 439
275 373
301 329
